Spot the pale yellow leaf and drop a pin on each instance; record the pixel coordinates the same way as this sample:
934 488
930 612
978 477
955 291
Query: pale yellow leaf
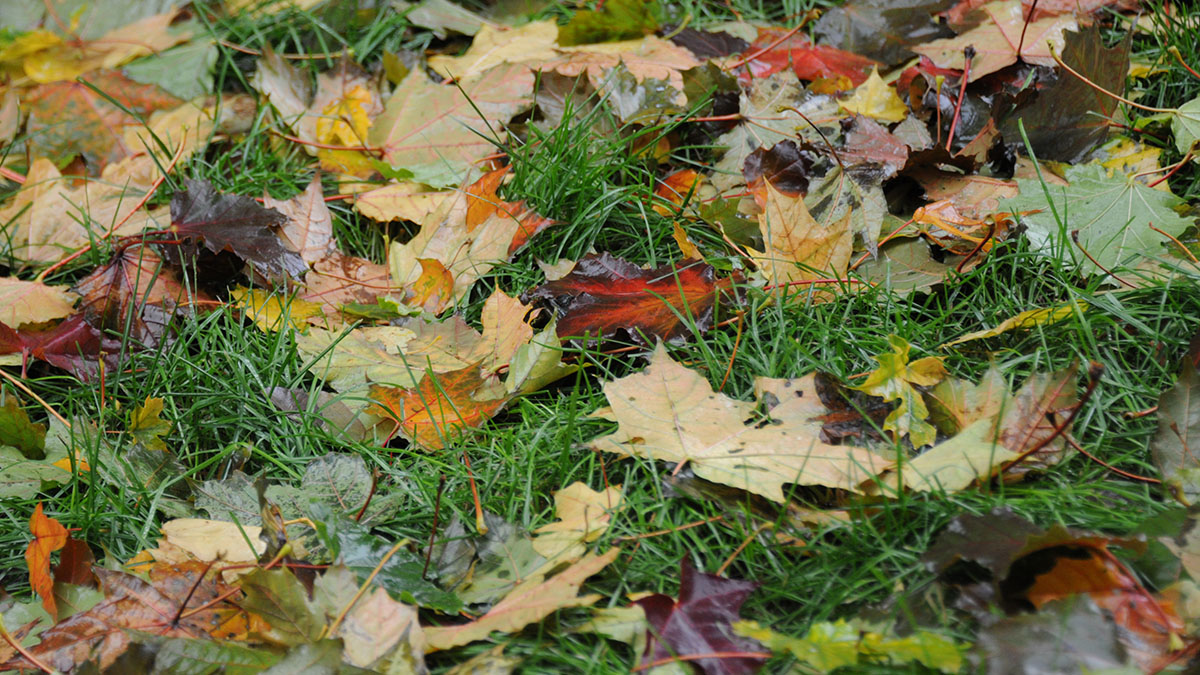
669 413
973 454
532 600
798 248
400 201
215 540
32 302
272 313
505 329
495 45
309 228
377 625
583 515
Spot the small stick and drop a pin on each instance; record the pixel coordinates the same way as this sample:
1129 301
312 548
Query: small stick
658 533
480 526
736 341
1177 243
21 385
745 542
363 589
1132 476
968 56
437 508
1075 238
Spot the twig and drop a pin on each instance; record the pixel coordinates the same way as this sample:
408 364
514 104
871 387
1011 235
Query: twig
745 542
21 385
1094 372
736 341
1132 476
1075 238
659 533
437 508
968 56
332 628
1177 243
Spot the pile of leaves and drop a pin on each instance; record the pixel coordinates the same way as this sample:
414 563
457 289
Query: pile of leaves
887 146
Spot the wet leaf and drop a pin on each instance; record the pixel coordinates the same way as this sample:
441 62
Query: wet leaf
226 222
1032 318
134 286
18 430
884 30
784 166
440 138
996 40
806 60
1112 216
707 44
798 248
876 99
69 118
278 596
1178 432
669 413
617 20
270 312
896 380
309 226
442 17
147 427
699 622
605 296
32 302
829 645
442 406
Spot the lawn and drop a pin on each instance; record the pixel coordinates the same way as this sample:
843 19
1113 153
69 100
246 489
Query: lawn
828 550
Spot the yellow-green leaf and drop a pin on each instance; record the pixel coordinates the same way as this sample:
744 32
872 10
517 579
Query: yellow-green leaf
1030 319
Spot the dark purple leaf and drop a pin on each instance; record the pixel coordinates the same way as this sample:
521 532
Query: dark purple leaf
225 222
882 29
785 166
699 623
706 45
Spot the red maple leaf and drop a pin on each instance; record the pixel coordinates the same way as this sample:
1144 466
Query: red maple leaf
810 61
699 623
605 295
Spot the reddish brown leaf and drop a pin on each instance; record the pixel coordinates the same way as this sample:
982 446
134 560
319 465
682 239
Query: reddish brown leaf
159 606
73 345
604 296
706 44
868 142
225 222
808 60
699 623
75 564
442 406
48 536
132 282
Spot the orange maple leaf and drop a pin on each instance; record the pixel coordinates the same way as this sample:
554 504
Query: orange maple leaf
48 536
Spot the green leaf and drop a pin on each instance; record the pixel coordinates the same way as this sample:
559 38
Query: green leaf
193 656
18 430
618 20
361 551
443 17
279 597
829 645
1178 431
1185 122
1112 215
22 478
894 380
324 658
185 71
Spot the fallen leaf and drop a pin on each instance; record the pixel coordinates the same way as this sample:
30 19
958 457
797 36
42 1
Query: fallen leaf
1112 215
17 430
497 45
669 413
288 89
48 536
885 30
32 302
997 39
876 99
147 427
339 280
226 222
583 516
443 17
604 296
272 313
616 20
70 118
784 166
214 540
452 126
1178 430
896 379
442 406
798 248
830 645
309 226
134 286
971 455
1028 319
869 143
699 623
807 60
530 601
67 61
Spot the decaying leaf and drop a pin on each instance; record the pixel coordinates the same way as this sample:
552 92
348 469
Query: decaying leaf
895 380
48 536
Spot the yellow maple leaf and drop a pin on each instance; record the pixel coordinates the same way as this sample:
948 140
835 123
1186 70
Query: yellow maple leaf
797 247
876 99
345 121
270 312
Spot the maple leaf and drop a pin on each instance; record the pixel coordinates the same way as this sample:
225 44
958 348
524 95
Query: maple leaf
497 45
309 226
876 99
69 118
436 131
963 15
442 406
48 536
784 166
584 515
58 60
532 600
808 61
286 87
796 247
869 143
617 20
147 427
156 606
73 345
338 280
1110 218
707 44
1067 118
1178 428
669 413
884 30
133 285
895 379
604 296
700 622
17 430
997 39
32 302
225 222
831 645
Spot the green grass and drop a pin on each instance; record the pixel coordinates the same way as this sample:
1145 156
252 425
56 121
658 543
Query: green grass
215 376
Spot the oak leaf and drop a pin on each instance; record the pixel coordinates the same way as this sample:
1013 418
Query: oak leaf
669 413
